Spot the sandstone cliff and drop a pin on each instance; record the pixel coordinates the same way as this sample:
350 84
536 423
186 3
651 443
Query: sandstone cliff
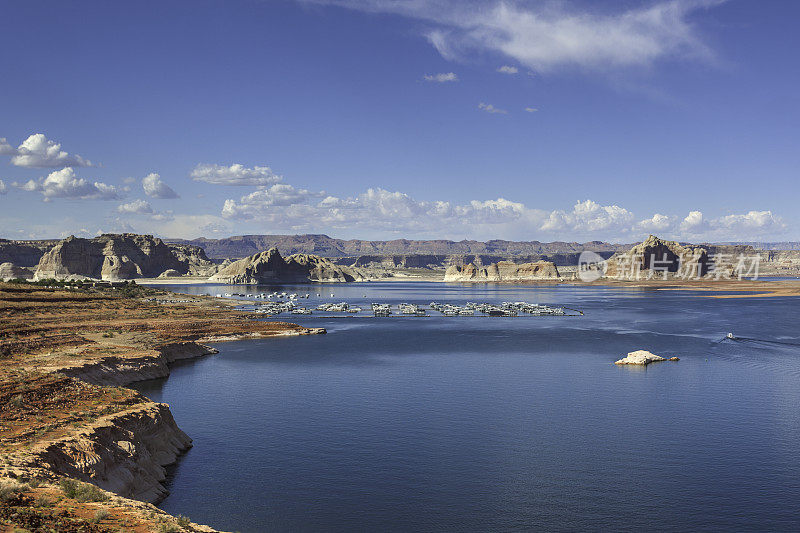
655 257
503 271
271 267
116 257
125 453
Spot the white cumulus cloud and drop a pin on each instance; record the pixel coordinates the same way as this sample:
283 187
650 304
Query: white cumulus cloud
694 224
154 187
38 151
139 207
235 174
656 223
255 203
65 184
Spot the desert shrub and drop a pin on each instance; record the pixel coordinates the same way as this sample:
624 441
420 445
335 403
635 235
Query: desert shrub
82 492
43 501
17 401
9 491
100 515
183 521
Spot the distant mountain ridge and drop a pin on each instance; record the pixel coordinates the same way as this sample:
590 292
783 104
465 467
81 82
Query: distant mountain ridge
246 245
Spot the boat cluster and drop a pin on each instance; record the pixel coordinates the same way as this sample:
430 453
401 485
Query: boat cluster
342 307
504 309
411 310
266 295
381 309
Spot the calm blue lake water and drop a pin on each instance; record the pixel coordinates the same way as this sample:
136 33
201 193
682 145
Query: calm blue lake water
497 424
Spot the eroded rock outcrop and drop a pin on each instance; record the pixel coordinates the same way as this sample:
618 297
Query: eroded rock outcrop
116 257
503 271
655 257
12 271
271 267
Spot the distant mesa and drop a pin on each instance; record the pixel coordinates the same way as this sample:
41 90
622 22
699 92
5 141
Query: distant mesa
241 246
503 271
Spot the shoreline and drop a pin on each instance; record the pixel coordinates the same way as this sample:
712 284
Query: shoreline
68 357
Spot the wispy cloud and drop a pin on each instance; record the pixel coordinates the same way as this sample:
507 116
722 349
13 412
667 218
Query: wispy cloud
531 109
489 108
5 148
507 69
547 35
442 77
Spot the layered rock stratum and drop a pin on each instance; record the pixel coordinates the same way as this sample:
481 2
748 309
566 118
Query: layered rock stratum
503 271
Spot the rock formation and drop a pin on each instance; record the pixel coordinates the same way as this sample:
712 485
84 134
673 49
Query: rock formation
654 257
503 271
271 267
12 271
642 357
115 257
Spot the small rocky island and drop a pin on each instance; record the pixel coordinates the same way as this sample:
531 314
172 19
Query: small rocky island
643 358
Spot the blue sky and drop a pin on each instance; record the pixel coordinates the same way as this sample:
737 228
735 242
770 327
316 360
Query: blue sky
386 119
